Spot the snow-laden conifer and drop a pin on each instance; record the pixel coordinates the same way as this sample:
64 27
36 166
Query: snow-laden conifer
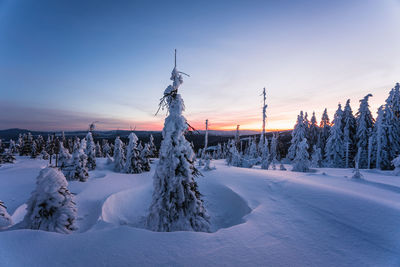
64 157
90 152
133 163
325 127
77 169
365 122
145 155
316 157
152 147
265 161
51 206
298 134
349 126
99 152
301 162
176 204
380 139
334 149
119 155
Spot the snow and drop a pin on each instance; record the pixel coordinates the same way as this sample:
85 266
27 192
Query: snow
258 218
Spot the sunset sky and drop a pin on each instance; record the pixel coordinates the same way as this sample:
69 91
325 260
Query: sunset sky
64 64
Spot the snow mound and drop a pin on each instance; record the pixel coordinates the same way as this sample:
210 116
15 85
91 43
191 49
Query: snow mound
130 207
19 213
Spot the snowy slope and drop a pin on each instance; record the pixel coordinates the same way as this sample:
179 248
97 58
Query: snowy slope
259 218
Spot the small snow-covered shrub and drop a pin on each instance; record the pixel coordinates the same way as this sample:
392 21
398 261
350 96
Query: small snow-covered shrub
51 206
5 218
396 164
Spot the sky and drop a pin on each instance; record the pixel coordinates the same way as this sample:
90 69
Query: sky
64 64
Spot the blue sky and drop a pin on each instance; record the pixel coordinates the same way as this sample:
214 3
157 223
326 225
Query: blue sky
64 64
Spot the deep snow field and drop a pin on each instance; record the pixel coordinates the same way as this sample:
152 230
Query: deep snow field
259 218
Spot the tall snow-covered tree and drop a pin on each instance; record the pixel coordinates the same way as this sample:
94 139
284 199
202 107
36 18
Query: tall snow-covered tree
301 162
382 157
349 126
313 132
119 155
152 146
274 148
298 134
133 163
365 123
334 149
51 206
90 152
106 149
5 218
176 204
26 148
325 128
99 152
145 155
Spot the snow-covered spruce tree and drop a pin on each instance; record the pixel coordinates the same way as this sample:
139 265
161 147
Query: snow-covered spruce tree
133 163
298 134
51 206
77 169
26 148
313 131
381 141
64 157
119 155
349 126
390 127
90 152
12 147
301 162
145 155
176 204
34 150
5 218
99 153
365 122
266 159
152 147
316 157
106 149
334 149
274 148
325 127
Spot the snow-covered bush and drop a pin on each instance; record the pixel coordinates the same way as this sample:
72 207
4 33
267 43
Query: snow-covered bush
301 162
316 157
207 166
265 161
51 206
119 156
64 156
7 157
176 203
396 164
77 170
5 218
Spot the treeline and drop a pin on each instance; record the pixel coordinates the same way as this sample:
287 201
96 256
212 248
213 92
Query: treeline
351 139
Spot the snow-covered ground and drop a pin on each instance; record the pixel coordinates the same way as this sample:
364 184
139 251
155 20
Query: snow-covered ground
259 218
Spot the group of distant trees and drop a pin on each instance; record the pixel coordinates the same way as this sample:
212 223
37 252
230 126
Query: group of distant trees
350 140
